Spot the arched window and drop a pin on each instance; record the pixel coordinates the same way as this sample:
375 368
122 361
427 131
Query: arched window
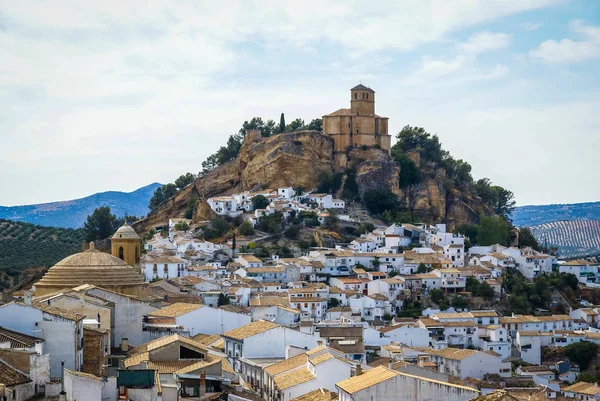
121 253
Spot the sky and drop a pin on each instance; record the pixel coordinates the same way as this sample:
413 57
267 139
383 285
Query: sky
114 95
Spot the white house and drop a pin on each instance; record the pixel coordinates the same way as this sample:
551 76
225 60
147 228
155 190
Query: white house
451 280
61 330
586 271
465 363
383 384
224 206
197 318
262 339
278 314
286 193
408 334
248 260
455 253
164 267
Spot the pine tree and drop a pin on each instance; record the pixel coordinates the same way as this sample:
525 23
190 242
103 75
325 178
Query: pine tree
282 124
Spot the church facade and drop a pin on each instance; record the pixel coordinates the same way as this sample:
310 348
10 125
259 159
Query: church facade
359 125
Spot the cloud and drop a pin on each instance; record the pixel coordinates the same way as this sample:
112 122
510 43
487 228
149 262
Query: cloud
568 51
485 41
530 26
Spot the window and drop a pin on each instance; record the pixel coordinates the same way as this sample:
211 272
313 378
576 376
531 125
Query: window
356 96
121 253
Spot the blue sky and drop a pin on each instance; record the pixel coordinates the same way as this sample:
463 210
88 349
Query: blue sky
110 95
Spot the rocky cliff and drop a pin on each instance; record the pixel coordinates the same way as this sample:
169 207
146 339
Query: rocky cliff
297 159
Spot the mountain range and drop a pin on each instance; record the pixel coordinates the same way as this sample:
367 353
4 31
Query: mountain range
73 213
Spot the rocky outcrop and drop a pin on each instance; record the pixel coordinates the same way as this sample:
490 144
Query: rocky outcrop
297 159
292 159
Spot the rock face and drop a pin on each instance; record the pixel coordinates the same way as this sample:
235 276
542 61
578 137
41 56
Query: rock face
293 159
297 159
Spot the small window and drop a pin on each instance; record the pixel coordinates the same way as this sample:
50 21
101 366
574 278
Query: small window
356 96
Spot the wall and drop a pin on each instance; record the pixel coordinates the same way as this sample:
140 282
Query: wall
143 394
110 391
23 392
89 310
405 388
272 343
82 389
129 313
209 320
60 344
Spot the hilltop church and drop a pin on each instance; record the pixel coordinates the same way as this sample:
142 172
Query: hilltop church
358 125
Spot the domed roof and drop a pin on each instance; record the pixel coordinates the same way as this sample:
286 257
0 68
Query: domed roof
126 232
92 258
90 267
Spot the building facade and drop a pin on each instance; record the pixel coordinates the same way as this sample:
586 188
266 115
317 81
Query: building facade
358 125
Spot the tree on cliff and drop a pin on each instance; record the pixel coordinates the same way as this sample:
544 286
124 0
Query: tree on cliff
493 230
316 125
100 224
378 201
502 200
282 124
526 238
295 125
184 180
161 194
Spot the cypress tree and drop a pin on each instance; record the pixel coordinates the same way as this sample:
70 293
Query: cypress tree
281 124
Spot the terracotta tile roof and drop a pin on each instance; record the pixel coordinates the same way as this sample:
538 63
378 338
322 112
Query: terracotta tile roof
341 332
461 323
168 367
287 364
249 330
348 346
454 353
16 339
10 377
484 313
429 322
198 365
136 359
82 374
176 309
378 297
366 380
163 341
319 394
268 301
293 378
583 388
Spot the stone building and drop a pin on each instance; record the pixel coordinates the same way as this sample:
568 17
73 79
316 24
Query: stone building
125 244
95 268
358 125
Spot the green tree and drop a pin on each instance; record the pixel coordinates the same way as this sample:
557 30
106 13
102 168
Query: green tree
581 353
493 230
296 125
333 303
526 238
246 229
271 223
350 191
299 190
100 224
375 262
292 233
505 203
315 125
329 183
409 171
260 202
223 300
282 124
437 296
189 209
182 226
422 268
184 180
157 198
379 200
459 302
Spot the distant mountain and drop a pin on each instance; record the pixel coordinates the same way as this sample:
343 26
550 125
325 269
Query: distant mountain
72 213
529 216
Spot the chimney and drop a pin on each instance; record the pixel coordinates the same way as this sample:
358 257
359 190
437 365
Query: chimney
319 343
92 245
62 396
82 297
390 363
358 370
125 345
27 297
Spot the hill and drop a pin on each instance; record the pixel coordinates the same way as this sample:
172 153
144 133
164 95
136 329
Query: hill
301 158
534 215
72 213
27 246
574 239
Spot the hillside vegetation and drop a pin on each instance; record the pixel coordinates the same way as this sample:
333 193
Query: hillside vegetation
72 213
533 215
25 245
576 238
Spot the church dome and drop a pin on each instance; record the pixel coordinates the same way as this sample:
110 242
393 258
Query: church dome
125 232
95 268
